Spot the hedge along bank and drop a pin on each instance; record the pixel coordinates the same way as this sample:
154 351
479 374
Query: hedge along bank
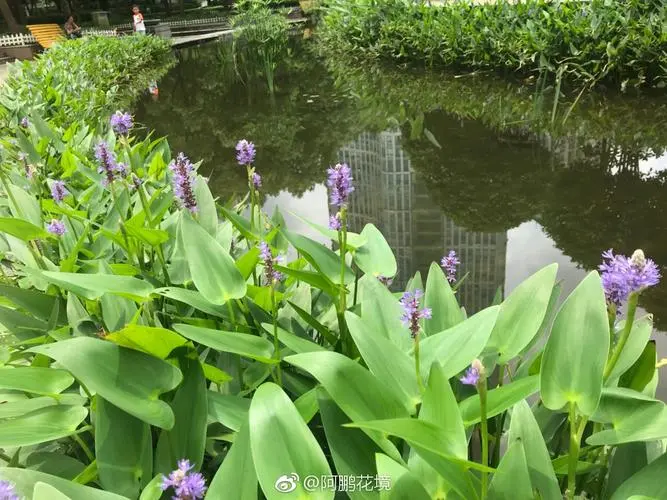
149 328
619 42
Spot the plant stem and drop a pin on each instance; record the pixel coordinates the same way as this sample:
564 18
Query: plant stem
84 447
484 430
500 421
276 343
420 383
616 353
575 444
342 300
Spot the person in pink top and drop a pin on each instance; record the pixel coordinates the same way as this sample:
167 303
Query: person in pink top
138 21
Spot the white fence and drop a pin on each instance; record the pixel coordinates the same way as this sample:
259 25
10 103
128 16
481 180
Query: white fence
26 39
180 24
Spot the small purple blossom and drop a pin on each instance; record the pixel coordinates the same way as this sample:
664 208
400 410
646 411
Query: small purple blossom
121 123
256 180
183 181
108 166
335 222
27 167
449 263
622 276
56 227
471 376
245 152
187 485
25 123
7 491
270 261
58 191
339 182
411 311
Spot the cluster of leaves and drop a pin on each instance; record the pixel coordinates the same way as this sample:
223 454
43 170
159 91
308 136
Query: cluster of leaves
620 42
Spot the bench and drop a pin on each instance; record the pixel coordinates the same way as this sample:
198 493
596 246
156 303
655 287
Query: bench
46 34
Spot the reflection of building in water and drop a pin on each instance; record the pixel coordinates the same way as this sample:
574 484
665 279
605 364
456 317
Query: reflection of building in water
389 195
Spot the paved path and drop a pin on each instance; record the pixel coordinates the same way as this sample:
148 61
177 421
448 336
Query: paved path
178 41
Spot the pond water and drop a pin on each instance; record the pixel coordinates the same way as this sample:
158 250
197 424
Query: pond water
488 168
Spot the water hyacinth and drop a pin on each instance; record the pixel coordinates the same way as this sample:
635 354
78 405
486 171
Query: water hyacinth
270 274
183 180
56 227
473 373
449 264
256 180
339 182
7 491
335 222
58 191
121 123
245 152
108 166
187 485
622 276
411 311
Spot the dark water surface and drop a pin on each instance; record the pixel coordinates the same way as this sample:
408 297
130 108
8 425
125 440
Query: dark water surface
488 168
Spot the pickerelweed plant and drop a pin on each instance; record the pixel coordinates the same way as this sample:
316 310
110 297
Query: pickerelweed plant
157 343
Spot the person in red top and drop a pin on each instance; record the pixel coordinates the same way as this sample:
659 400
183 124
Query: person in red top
138 21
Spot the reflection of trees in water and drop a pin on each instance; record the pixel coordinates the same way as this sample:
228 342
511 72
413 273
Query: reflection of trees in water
205 107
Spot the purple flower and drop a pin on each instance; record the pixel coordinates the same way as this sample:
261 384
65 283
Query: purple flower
25 123
56 227
187 485
183 181
622 276
256 180
270 261
335 222
449 263
108 166
58 191
245 152
339 182
7 491
411 311
471 376
121 123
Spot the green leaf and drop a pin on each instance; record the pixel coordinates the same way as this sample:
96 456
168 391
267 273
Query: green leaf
650 481
33 301
511 480
314 279
281 443
294 342
306 404
215 374
576 352
45 491
39 426
24 481
54 463
375 257
123 450
250 346
354 240
129 379
153 491
192 298
236 477
408 487
499 400
352 451
21 229
642 371
231 411
16 408
207 211
247 263
116 311
151 237
156 341
385 360
320 257
187 438
21 325
93 286
522 314
36 380
26 207
525 430
628 459
639 336
241 224
213 270
455 348
382 312
445 310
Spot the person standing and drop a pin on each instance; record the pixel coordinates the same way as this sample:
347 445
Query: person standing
138 21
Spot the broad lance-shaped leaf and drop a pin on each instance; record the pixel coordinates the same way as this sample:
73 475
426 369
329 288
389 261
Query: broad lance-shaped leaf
499 400
236 477
456 347
39 426
650 482
44 491
18 407
522 313
93 286
445 310
35 379
320 257
123 449
156 341
375 256
511 480
281 443
24 481
639 336
21 229
244 344
213 270
576 352
231 411
382 311
525 430
129 379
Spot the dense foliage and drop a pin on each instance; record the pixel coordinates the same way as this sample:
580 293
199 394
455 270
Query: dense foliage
160 344
620 41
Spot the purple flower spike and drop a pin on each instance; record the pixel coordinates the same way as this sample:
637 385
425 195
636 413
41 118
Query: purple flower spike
245 152
256 180
622 276
187 485
58 191
411 311
339 182
25 123
56 227
7 491
335 222
121 123
271 275
183 181
108 166
471 377
449 263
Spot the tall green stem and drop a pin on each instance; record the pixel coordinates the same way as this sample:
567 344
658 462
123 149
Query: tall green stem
276 343
342 301
420 383
484 430
574 454
84 447
618 349
500 420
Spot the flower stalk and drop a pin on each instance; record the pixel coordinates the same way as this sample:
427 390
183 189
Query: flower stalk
633 300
